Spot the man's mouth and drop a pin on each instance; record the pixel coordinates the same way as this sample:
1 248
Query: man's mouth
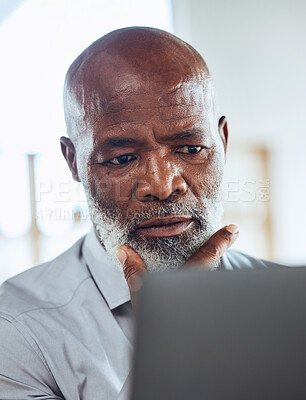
164 226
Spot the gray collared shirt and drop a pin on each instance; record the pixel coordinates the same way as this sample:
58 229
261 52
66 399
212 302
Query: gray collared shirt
66 326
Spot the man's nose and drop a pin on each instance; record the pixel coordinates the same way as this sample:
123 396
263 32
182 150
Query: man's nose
161 180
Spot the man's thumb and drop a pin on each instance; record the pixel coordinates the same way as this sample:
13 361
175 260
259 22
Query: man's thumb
133 268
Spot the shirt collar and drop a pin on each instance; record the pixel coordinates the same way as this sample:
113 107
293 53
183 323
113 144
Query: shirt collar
110 281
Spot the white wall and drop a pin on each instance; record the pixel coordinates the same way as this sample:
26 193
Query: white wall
256 53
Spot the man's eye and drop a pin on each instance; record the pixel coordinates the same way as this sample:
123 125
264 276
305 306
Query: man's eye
121 159
190 149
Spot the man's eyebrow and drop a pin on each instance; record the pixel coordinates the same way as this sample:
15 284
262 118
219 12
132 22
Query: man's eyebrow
121 141
184 134
118 142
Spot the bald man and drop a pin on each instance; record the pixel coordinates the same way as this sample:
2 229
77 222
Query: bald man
148 146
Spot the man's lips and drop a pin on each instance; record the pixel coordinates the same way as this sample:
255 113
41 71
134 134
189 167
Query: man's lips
164 226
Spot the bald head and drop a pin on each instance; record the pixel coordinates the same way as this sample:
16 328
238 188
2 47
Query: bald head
128 63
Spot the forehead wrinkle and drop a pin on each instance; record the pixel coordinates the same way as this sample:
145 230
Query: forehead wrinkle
137 122
121 123
157 107
126 114
182 117
190 93
193 132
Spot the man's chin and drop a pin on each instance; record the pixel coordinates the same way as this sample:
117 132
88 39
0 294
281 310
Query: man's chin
158 253
168 253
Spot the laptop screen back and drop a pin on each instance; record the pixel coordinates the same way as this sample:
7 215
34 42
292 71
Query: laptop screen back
225 335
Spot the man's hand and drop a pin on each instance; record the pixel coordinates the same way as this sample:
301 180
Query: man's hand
207 256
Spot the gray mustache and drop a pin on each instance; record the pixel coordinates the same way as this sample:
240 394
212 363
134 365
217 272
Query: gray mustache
165 210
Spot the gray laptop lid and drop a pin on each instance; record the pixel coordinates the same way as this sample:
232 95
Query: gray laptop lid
226 335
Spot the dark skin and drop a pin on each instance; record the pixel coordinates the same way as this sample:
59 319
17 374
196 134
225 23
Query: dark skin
147 133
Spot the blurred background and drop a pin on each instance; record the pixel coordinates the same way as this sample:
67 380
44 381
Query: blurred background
256 53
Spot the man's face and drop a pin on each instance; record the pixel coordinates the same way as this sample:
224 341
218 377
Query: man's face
151 163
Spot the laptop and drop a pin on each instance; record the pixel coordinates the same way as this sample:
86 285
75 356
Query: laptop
221 336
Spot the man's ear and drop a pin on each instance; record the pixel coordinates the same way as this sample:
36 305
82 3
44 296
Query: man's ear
223 131
69 153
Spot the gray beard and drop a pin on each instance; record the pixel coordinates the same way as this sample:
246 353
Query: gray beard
159 254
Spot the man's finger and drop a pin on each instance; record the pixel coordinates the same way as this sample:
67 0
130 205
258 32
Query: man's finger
133 268
212 250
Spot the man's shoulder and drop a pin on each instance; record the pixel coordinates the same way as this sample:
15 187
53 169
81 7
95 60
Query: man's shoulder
50 284
238 260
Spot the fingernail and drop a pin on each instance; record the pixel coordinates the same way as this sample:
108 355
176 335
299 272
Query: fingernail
232 229
121 255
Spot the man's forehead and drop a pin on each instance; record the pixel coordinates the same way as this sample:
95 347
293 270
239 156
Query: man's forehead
108 82
134 75
186 99
174 121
